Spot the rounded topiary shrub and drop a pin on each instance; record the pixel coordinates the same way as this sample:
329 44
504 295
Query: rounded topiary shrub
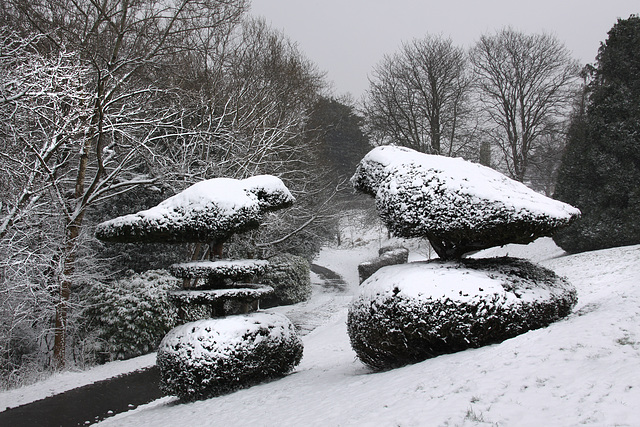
210 357
129 317
411 312
289 276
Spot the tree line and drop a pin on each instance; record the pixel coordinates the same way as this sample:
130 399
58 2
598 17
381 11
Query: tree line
511 92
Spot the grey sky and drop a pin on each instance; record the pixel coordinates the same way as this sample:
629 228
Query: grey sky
346 38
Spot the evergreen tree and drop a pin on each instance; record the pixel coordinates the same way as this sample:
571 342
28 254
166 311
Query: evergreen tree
338 129
600 171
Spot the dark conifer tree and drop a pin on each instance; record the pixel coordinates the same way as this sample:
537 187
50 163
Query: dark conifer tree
600 172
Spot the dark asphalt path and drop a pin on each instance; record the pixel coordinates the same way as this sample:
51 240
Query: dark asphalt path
88 404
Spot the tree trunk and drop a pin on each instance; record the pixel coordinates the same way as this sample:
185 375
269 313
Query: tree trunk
68 268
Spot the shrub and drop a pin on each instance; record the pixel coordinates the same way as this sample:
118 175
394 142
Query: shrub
411 312
130 316
388 256
289 276
211 357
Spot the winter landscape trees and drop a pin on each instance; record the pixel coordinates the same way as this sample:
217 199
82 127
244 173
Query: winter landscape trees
103 98
432 96
108 105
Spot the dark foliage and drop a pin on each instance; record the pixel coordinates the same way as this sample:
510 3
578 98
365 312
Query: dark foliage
389 257
289 276
600 171
338 129
129 317
398 330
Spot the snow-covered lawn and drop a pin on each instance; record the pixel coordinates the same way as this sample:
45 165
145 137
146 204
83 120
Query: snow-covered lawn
584 369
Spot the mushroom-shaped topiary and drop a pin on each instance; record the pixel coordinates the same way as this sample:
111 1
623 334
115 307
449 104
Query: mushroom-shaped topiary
407 313
209 211
458 205
410 312
207 358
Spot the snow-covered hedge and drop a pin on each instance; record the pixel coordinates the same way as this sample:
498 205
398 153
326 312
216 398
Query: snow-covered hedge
209 211
289 276
207 358
410 312
391 256
458 205
130 316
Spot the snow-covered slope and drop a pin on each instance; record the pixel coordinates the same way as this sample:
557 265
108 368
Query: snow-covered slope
581 370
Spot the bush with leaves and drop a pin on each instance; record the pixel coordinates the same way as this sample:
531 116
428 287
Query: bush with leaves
600 170
289 275
207 358
129 317
411 312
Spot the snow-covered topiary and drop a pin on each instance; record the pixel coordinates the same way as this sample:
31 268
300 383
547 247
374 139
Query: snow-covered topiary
289 276
391 256
209 211
130 316
410 312
458 205
207 358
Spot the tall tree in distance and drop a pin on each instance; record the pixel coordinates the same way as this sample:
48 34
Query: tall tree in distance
418 96
341 142
600 170
526 85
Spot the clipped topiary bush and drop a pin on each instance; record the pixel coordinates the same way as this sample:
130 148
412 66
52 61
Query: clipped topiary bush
289 276
411 312
130 316
388 256
211 357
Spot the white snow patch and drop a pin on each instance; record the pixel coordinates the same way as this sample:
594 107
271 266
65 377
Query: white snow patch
580 370
428 281
223 337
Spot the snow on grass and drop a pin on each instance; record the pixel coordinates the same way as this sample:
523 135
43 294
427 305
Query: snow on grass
580 370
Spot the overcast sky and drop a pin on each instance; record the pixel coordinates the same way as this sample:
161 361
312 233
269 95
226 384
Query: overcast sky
346 38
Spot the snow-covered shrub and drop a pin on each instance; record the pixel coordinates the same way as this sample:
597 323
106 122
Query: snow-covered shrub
390 256
411 312
210 357
458 205
130 316
201 304
289 276
208 211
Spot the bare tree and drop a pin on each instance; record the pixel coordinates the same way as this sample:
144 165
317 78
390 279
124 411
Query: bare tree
418 96
526 84
128 48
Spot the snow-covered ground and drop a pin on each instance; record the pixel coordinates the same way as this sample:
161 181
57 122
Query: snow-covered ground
582 370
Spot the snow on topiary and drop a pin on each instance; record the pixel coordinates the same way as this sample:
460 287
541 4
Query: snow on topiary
410 312
208 211
290 277
458 205
210 357
391 256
